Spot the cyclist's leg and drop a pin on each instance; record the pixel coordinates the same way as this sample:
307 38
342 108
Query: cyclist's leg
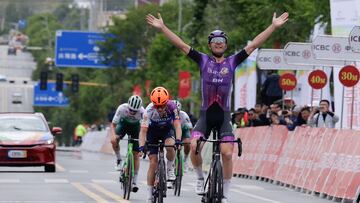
134 132
200 130
119 131
153 139
186 139
226 152
170 156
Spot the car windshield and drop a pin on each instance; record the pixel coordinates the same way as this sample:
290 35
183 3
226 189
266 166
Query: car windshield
22 124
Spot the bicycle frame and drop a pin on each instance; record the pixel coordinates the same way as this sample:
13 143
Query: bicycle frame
215 169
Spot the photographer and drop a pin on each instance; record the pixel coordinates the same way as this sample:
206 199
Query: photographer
289 119
322 116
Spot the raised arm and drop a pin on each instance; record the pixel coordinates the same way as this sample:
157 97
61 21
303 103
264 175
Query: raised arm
174 39
262 37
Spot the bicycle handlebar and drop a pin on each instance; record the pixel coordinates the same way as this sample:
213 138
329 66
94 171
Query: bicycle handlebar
202 139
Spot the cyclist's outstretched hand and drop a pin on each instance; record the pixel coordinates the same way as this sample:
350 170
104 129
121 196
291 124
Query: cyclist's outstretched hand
155 22
279 21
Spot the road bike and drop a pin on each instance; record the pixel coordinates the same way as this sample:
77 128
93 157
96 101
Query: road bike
127 171
214 181
160 188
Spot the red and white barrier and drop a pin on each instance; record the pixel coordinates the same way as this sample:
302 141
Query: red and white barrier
317 159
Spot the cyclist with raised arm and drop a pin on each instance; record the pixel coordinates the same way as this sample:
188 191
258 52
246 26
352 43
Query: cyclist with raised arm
216 81
127 121
160 117
186 128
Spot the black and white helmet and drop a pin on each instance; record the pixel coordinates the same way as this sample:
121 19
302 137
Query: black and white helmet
135 102
178 104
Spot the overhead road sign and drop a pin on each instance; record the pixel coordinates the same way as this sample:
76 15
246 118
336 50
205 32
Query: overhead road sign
78 49
354 39
333 48
50 97
273 59
81 49
297 53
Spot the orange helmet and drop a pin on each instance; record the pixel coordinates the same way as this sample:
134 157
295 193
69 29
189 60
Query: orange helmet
159 96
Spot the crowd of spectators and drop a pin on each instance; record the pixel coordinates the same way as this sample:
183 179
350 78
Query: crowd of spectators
290 115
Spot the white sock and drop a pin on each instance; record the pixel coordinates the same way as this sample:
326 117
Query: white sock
226 187
135 177
170 164
150 191
199 172
186 157
117 153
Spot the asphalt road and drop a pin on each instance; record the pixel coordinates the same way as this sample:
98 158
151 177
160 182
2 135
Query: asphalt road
90 177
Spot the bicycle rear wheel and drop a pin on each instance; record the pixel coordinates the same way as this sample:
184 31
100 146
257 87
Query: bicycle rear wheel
129 177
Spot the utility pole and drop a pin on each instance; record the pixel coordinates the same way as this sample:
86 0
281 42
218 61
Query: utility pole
180 17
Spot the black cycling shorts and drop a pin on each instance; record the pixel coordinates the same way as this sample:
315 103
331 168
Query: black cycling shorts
214 117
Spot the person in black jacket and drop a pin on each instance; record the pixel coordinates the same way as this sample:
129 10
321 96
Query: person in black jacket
271 90
254 119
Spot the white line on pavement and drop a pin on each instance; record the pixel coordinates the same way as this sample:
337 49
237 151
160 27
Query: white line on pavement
255 196
79 171
103 181
249 187
56 181
9 181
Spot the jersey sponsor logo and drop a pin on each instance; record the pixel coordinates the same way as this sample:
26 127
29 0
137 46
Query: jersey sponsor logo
224 71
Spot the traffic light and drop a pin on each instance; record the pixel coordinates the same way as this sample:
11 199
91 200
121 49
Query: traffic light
43 80
75 83
59 82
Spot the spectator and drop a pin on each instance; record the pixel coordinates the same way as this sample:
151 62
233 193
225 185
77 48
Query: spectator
303 117
289 119
239 118
264 115
271 90
275 108
275 119
322 116
253 119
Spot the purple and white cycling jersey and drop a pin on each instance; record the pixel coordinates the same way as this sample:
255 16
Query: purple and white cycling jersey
153 119
216 78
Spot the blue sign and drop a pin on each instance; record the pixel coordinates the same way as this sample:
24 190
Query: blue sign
78 49
50 97
81 49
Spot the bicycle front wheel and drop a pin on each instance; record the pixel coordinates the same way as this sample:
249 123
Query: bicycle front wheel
216 184
162 182
129 177
179 173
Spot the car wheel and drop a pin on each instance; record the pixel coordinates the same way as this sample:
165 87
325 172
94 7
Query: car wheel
50 168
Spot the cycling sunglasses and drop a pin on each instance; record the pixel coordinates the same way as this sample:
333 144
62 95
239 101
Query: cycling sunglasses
218 40
160 106
132 111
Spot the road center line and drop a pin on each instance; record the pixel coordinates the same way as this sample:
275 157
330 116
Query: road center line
108 193
87 192
255 196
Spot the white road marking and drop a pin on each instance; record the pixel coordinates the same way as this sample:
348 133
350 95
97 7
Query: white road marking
56 181
255 196
79 171
9 181
103 181
249 187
